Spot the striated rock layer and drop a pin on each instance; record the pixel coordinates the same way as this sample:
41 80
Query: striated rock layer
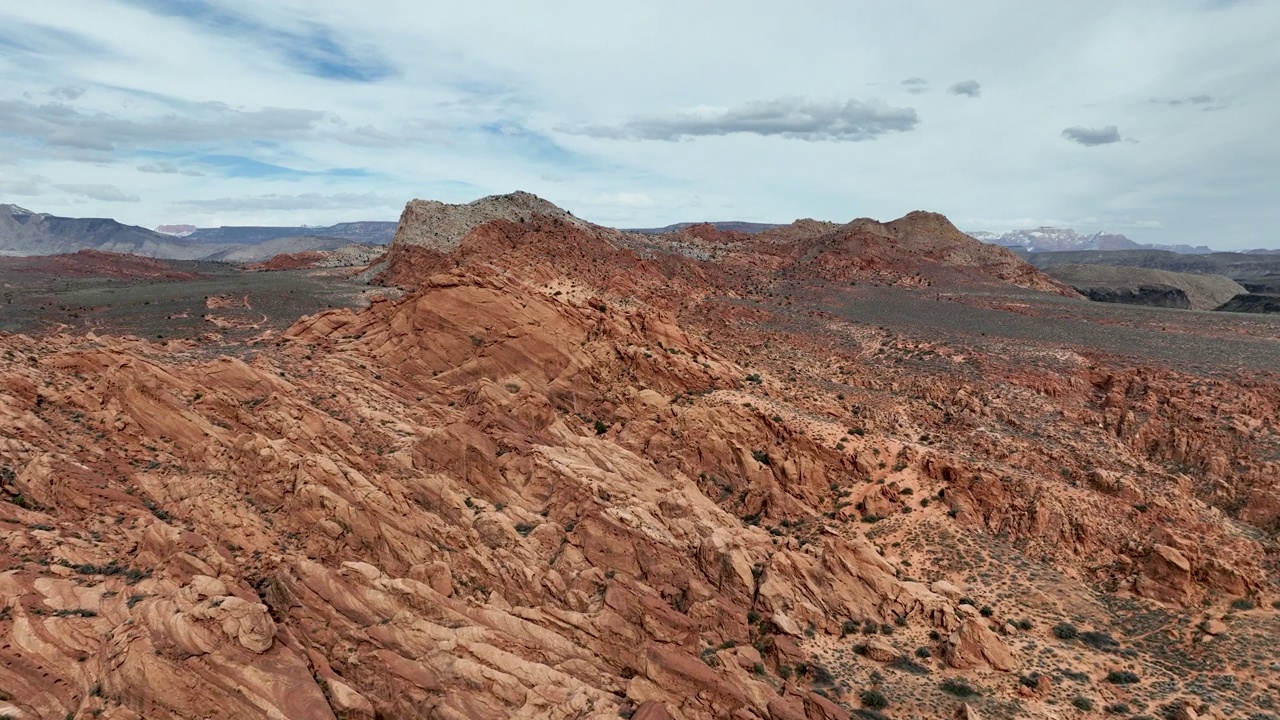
576 473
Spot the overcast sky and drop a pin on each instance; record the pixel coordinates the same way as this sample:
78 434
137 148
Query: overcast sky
1155 118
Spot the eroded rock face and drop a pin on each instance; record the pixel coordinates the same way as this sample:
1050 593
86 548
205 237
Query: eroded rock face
974 645
579 487
1167 576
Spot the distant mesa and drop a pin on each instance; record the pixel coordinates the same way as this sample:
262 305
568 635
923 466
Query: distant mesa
367 232
1146 286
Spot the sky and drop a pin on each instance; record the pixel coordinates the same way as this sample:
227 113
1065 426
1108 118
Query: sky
1158 119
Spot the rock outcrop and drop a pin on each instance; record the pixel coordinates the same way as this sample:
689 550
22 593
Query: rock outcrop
571 474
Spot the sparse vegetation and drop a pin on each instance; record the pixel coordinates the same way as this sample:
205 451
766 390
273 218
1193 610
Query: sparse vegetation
1122 677
1065 631
874 699
958 687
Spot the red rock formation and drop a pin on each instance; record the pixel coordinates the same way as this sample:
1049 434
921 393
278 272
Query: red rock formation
573 476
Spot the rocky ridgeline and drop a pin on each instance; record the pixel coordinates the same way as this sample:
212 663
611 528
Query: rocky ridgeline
567 479
441 226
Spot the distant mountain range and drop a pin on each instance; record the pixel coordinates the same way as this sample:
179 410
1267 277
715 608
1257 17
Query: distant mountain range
25 233
1050 239
369 233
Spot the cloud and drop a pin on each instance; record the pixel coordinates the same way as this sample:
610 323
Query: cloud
516 139
29 186
169 168
625 199
56 124
310 47
303 201
1092 136
971 88
798 119
33 44
915 85
67 92
1205 102
99 191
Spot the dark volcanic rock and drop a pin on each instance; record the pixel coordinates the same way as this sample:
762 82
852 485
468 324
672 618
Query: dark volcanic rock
1152 295
1252 303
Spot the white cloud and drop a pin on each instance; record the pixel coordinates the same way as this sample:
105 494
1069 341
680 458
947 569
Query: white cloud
98 191
382 102
303 201
169 168
970 88
1093 136
796 119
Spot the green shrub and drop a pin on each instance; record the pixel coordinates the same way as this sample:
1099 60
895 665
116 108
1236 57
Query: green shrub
873 699
958 687
1065 631
1242 604
1099 640
1083 703
1122 677
907 665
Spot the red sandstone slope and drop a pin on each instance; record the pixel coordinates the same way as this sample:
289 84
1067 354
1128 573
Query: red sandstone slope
568 478
919 249
98 264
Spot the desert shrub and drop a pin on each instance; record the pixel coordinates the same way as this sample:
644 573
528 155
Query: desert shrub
1023 624
1242 604
1076 676
821 675
1065 631
1099 640
1083 703
525 528
986 611
601 428
907 665
1118 709
873 699
958 687
761 457
1122 677
76 612
849 627
923 652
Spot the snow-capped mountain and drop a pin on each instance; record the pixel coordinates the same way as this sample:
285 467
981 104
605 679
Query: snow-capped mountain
1050 239
176 230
